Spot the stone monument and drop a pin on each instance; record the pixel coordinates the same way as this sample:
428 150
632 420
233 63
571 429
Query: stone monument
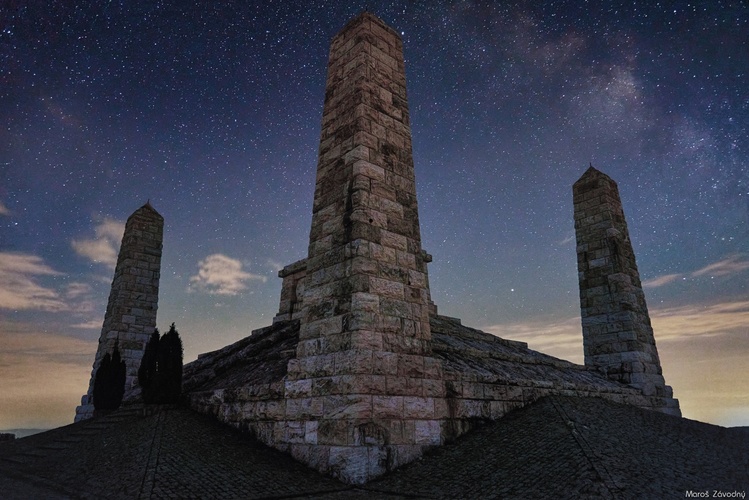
133 299
359 374
617 334
364 337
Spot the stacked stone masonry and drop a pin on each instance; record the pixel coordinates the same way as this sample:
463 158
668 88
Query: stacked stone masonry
363 297
483 378
617 333
130 317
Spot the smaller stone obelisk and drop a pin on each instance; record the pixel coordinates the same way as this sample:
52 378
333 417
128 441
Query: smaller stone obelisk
617 334
133 300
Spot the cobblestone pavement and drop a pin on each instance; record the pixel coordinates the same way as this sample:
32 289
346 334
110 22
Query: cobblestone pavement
556 448
171 454
580 448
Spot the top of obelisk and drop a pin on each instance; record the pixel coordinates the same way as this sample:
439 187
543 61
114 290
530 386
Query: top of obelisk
368 16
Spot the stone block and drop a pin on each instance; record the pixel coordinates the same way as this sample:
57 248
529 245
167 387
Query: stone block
349 463
410 365
348 406
434 388
367 340
304 408
353 362
370 170
393 240
382 254
387 406
385 363
335 432
386 288
427 432
367 302
418 407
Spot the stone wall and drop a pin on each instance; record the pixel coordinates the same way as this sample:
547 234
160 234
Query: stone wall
476 377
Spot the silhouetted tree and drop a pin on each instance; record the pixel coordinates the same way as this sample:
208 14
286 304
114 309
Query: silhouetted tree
119 375
170 366
100 383
160 372
109 383
148 371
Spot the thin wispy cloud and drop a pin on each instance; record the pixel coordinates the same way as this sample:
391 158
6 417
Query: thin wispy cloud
728 266
94 324
77 290
79 297
103 248
219 274
561 338
3 209
275 265
732 264
566 240
700 320
661 280
19 284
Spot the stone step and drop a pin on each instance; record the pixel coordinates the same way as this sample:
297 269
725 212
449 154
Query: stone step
55 445
35 453
19 459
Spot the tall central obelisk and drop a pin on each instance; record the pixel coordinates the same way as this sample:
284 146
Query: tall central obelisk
362 390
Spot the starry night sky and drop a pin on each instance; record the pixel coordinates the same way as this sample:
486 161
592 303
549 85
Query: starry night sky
212 110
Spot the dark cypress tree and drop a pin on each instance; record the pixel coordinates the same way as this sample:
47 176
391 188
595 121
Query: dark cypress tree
109 383
119 375
100 383
148 371
170 366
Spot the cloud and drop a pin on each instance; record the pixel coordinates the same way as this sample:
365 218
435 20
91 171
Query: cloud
561 338
689 321
94 324
19 288
275 265
566 240
733 264
661 280
76 290
104 247
3 209
221 275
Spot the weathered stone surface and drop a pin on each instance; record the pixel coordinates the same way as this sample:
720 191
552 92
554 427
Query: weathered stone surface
130 317
402 405
617 334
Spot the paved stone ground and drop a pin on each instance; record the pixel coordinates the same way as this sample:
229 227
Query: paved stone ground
556 448
580 448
